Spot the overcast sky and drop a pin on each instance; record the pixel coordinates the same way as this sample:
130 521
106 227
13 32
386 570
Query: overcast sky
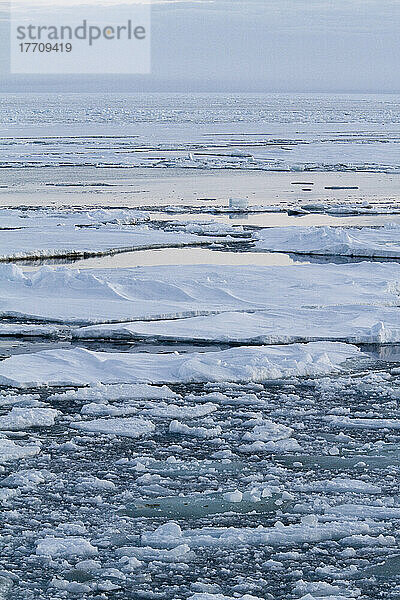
255 45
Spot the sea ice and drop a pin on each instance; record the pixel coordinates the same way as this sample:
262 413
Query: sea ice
26 478
79 366
67 547
89 297
36 242
100 392
369 324
333 241
129 427
310 530
24 418
198 432
10 450
207 596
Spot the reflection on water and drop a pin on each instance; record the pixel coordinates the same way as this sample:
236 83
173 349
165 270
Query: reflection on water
195 256
278 219
389 353
173 256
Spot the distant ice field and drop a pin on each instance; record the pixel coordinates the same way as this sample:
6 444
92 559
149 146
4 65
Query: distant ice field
202 131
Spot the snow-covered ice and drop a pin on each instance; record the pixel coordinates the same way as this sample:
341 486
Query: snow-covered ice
24 418
10 450
353 324
383 242
262 472
308 531
80 366
35 242
68 547
129 427
88 297
101 392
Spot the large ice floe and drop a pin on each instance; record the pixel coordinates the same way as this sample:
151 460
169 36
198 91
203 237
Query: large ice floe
381 242
85 241
80 366
149 293
52 219
369 324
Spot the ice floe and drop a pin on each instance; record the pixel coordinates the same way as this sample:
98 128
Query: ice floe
309 530
369 324
24 418
67 547
84 241
10 450
100 392
128 427
79 366
89 297
381 242
355 422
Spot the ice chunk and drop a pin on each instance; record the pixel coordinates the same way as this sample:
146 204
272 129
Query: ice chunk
10 450
27 478
200 432
129 427
24 418
65 547
360 423
117 392
342 484
268 431
207 596
180 553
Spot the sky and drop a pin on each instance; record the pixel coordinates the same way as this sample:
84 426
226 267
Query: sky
250 46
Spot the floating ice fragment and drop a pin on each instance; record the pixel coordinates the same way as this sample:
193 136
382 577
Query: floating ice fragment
200 432
67 547
128 427
24 418
10 450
